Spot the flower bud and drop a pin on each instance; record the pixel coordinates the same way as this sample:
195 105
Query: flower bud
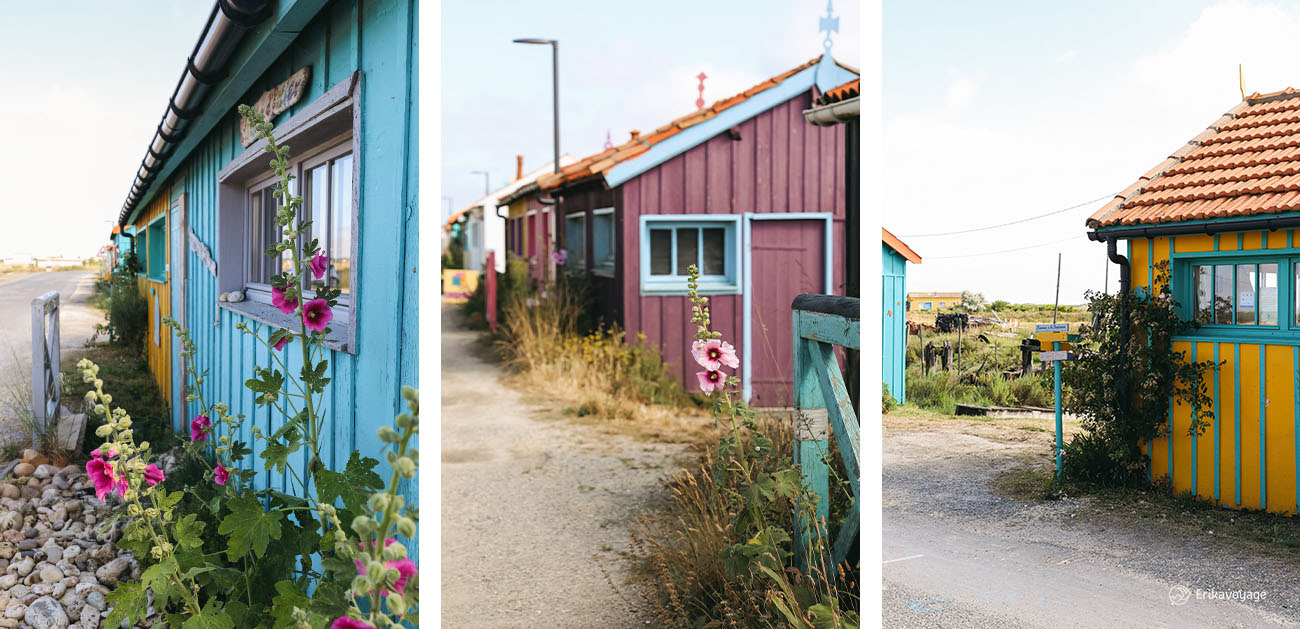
378 502
406 467
103 431
388 435
396 604
125 423
108 399
393 552
403 421
406 527
360 585
362 525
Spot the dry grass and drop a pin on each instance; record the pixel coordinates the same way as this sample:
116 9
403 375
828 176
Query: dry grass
596 376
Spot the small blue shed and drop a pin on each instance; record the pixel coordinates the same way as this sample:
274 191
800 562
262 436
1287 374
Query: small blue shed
893 337
338 78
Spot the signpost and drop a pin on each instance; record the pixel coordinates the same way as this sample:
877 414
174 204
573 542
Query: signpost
1058 334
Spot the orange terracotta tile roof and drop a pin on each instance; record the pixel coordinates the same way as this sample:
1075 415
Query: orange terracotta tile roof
1246 163
894 243
601 162
844 92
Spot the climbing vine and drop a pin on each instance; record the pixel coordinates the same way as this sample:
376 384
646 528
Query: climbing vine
1123 387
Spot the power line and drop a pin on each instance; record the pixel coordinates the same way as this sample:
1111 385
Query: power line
1015 222
990 253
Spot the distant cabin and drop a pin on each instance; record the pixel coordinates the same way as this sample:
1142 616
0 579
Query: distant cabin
747 190
920 301
1220 216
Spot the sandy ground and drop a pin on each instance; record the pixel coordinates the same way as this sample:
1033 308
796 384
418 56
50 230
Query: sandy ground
532 508
957 555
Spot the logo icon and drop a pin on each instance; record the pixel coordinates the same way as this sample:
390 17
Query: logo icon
1179 594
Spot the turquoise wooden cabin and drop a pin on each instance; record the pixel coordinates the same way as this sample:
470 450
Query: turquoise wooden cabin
893 314
338 79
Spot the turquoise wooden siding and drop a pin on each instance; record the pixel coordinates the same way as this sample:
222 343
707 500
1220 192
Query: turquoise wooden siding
893 336
378 38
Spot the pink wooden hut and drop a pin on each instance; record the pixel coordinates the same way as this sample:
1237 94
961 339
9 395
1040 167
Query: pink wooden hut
747 190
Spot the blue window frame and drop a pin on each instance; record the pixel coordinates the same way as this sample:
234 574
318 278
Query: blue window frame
156 258
1242 295
672 242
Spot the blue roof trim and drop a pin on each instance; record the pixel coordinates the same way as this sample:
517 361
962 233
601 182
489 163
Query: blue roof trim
694 136
830 75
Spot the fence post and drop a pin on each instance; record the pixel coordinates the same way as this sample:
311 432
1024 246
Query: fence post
45 362
811 428
491 289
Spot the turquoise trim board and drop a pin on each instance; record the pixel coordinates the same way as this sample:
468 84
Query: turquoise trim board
1263 423
1217 411
693 136
1195 433
1295 417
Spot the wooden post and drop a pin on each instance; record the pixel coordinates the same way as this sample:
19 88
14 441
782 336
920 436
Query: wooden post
45 362
491 289
946 358
811 442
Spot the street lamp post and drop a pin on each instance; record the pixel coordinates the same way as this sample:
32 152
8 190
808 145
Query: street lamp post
486 190
555 122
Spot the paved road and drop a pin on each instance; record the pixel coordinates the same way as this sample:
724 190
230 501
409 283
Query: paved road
956 555
532 509
77 323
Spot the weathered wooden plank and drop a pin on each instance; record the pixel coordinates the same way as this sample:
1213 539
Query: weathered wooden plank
844 421
826 328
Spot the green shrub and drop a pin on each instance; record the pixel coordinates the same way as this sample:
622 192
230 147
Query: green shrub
887 401
134 390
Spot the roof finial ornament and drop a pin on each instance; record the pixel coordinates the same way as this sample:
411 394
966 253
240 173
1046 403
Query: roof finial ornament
699 102
609 144
828 24
1241 82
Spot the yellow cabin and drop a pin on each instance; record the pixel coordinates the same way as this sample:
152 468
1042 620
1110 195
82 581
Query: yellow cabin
152 247
1223 212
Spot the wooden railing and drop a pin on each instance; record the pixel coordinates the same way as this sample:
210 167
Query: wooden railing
823 408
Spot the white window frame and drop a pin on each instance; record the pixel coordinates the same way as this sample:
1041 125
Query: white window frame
674 284
605 267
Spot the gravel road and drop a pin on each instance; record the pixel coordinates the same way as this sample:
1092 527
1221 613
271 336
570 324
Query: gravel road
957 555
533 507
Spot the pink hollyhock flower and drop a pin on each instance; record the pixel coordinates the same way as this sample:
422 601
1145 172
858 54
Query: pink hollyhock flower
343 622
221 475
405 567
279 345
714 353
285 304
318 265
316 314
711 380
153 474
100 473
200 426
560 257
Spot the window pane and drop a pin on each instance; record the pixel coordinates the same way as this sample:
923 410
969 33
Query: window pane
340 252
1223 294
266 233
256 237
318 210
1268 294
1204 294
688 249
1245 294
661 251
715 251
602 240
575 241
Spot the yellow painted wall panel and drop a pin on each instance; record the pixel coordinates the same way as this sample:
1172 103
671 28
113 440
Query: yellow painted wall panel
1204 451
1194 243
1252 241
1138 260
1250 392
1279 458
1182 449
1226 400
1277 239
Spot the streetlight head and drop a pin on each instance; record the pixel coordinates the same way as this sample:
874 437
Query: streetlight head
534 40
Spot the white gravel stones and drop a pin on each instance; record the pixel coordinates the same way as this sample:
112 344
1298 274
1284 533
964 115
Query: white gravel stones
55 565
46 613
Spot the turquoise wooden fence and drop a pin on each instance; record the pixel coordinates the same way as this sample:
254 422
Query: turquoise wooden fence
822 409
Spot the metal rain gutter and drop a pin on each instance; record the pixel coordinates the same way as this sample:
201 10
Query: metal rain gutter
229 21
1181 229
834 113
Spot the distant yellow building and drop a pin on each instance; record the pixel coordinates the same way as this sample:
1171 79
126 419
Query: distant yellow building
929 302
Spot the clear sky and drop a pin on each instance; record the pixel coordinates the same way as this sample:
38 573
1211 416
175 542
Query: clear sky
996 111
84 87
623 66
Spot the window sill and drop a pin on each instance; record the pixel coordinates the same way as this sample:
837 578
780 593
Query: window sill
339 338
1243 335
677 289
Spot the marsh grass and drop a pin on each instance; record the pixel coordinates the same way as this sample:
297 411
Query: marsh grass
594 374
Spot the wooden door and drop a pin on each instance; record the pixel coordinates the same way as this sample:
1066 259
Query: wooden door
788 257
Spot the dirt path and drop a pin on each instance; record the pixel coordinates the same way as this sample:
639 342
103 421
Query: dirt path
957 555
528 505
